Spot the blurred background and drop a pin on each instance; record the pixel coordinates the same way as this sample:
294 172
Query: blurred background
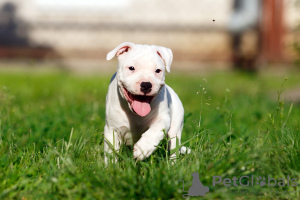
203 35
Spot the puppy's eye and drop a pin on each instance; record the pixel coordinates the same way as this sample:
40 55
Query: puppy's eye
158 71
131 68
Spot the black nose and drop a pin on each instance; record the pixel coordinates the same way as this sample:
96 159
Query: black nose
146 87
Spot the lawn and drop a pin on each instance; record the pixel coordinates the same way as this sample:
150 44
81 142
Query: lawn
51 139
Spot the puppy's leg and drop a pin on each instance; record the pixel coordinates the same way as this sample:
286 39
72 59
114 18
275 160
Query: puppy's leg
173 144
175 134
112 143
151 138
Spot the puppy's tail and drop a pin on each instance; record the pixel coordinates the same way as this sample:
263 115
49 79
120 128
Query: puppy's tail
184 150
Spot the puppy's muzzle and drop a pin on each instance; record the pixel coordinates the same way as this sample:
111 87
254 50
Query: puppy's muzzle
146 87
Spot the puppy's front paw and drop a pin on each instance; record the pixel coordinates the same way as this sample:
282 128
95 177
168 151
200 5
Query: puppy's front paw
142 150
185 150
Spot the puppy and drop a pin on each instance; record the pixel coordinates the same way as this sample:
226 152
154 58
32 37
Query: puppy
140 107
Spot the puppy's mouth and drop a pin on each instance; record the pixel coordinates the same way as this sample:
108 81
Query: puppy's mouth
140 104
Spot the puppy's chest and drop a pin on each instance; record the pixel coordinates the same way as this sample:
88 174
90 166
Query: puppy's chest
139 126
135 130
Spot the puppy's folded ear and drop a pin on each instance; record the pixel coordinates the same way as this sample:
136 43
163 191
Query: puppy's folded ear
165 54
119 50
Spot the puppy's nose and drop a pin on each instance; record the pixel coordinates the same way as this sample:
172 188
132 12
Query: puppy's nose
146 87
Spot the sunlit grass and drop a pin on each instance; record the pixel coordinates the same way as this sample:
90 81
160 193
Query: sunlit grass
51 138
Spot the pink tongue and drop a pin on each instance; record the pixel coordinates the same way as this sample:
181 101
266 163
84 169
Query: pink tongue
141 108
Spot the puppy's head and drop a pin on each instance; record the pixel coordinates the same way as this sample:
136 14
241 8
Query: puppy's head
141 73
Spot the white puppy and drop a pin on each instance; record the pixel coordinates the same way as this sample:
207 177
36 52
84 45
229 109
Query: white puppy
139 105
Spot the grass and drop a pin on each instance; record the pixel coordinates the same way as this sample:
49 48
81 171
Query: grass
51 138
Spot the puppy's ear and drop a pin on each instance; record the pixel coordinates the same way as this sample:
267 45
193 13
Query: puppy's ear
119 50
165 54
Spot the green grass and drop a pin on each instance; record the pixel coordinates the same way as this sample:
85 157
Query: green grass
51 138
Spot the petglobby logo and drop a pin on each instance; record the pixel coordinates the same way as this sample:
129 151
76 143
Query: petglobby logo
247 181
198 189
